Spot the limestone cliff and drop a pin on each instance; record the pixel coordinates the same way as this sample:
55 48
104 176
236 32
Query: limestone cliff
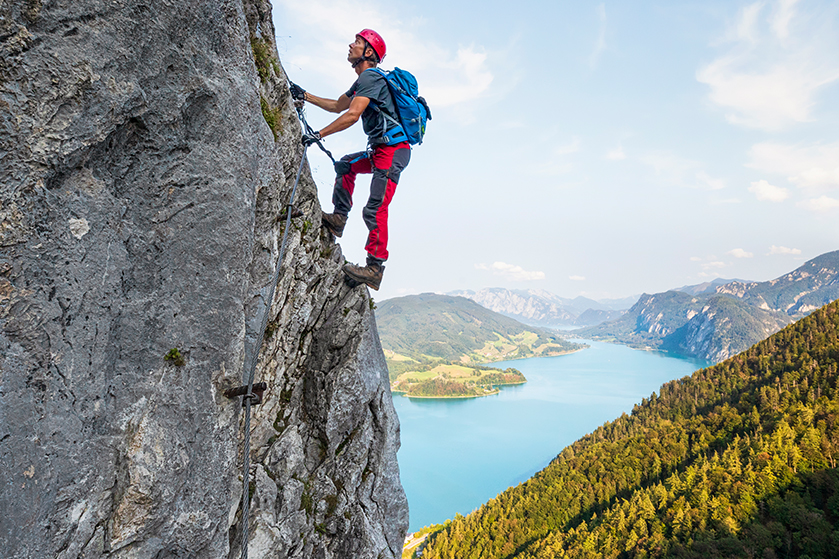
146 151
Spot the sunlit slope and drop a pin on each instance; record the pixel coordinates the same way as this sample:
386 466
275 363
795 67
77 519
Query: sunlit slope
441 327
737 460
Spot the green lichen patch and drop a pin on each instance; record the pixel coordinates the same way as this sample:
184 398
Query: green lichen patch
344 443
263 57
272 116
307 503
331 504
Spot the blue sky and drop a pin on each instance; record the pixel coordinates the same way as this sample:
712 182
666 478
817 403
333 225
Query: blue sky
593 148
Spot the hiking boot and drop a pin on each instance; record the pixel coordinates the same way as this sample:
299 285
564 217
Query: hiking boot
334 223
370 274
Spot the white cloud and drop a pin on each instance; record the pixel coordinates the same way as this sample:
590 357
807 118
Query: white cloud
770 193
713 265
577 278
511 125
746 28
740 253
783 14
783 250
806 166
323 29
573 147
680 171
457 81
822 204
511 271
708 182
695 259
616 154
600 44
775 66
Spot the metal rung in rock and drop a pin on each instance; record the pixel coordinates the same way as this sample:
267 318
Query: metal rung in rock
257 392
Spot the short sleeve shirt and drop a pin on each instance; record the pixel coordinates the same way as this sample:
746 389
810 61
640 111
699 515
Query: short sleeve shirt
373 85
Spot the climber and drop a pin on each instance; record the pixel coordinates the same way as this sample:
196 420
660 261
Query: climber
368 98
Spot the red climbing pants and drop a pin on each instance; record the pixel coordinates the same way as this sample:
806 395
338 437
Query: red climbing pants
385 163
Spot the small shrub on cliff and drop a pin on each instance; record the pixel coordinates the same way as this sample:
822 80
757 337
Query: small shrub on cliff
174 356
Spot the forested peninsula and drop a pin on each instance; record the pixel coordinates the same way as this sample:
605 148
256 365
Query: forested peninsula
738 460
439 346
455 381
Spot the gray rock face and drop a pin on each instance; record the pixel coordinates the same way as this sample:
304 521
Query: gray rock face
140 189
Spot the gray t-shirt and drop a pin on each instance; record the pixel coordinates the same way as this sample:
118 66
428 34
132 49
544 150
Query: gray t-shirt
373 85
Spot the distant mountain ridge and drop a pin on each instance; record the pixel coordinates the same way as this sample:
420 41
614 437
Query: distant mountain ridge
718 324
708 286
538 307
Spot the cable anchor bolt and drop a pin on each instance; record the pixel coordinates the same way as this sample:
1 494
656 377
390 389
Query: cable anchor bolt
256 396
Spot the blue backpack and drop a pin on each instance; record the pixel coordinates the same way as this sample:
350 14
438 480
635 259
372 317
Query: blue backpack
412 110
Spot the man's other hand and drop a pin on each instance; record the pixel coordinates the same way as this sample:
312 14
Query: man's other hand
297 92
309 139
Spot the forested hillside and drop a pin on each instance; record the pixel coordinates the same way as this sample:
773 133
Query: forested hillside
738 460
457 329
435 345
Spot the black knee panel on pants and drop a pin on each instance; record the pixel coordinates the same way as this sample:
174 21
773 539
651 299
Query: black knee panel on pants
342 167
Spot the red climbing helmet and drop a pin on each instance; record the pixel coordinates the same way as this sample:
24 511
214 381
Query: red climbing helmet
375 41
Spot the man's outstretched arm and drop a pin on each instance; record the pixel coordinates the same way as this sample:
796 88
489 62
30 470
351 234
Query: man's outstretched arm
355 108
331 105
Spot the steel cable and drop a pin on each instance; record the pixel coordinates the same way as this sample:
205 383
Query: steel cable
255 358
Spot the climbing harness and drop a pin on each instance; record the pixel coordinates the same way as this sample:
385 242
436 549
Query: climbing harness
251 393
309 130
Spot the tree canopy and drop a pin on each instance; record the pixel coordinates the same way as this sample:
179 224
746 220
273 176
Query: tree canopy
737 460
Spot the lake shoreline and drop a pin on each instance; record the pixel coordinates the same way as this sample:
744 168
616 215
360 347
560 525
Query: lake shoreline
406 394
458 396
488 363
457 453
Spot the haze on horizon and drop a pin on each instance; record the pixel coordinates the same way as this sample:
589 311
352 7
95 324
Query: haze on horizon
601 149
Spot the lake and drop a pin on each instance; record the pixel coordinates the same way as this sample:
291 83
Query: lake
458 454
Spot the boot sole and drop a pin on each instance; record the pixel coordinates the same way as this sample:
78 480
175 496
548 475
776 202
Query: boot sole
331 230
359 280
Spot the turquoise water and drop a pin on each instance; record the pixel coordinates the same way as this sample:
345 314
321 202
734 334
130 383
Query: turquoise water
458 454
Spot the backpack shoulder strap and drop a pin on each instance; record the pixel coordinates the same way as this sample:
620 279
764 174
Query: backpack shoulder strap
393 119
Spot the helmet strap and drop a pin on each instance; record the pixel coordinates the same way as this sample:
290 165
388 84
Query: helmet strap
371 59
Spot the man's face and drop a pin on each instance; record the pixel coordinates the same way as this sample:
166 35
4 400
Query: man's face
356 49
